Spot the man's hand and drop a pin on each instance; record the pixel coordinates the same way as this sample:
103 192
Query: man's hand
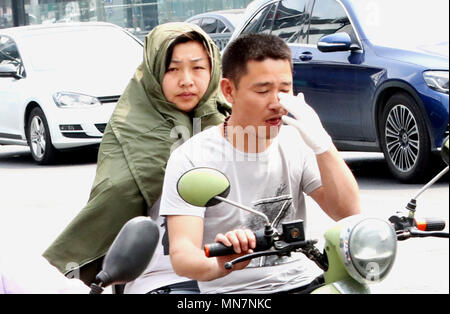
306 121
243 242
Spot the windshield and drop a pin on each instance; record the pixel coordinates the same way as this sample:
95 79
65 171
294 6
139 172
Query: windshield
99 49
405 24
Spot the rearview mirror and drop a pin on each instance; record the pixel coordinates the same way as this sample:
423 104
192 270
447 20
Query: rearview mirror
130 253
444 150
336 42
200 186
8 70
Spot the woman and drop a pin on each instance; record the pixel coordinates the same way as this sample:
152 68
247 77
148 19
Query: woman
177 83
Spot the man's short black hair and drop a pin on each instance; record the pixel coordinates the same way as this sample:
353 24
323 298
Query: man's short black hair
252 47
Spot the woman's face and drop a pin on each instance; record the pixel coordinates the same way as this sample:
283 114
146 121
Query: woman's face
188 75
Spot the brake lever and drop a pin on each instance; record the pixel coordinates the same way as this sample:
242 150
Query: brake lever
229 265
281 248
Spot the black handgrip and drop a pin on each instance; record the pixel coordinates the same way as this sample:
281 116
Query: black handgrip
263 242
430 224
217 249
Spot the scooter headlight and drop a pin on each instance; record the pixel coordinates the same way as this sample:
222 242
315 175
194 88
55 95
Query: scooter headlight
368 249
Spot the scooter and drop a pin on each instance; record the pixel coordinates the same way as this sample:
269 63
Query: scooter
357 251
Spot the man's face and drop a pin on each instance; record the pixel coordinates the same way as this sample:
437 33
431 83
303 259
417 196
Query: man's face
255 100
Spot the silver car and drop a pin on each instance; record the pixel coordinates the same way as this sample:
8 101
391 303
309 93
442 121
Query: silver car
219 25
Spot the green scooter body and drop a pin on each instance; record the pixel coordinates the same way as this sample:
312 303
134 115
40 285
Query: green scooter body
337 279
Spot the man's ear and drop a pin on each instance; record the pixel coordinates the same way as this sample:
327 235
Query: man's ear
227 87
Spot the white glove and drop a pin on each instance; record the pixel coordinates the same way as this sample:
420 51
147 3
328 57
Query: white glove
306 121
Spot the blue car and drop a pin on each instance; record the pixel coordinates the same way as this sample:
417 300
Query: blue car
375 71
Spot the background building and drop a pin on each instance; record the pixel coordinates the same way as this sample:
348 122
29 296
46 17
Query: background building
139 16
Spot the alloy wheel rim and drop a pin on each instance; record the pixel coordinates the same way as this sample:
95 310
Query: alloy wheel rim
37 137
402 138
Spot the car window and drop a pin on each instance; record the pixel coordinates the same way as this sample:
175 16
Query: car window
261 22
267 24
328 17
209 25
221 28
290 19
9 54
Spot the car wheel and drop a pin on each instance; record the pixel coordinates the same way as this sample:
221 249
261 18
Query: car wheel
404 139
39 140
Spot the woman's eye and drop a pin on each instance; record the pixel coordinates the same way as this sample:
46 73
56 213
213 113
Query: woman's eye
171 69
262 92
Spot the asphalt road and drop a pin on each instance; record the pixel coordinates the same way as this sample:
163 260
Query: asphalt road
37 202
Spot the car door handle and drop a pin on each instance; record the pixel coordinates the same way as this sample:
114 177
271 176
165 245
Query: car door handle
306 56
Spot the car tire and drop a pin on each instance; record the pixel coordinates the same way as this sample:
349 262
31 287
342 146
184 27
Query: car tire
404 139
39 138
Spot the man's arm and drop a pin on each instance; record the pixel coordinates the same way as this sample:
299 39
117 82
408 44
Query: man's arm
339 194
187 255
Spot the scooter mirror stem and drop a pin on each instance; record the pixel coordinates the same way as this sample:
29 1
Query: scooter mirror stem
411 207
432 182
251 210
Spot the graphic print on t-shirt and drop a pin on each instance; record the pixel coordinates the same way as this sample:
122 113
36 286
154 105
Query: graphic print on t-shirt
165 238
276 208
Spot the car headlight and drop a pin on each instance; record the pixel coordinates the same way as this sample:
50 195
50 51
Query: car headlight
74 100
437 80
368 249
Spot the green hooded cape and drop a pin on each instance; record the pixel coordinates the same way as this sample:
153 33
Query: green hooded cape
133 154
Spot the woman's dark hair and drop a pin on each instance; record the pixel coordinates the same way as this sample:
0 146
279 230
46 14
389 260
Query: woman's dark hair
252 47
182 39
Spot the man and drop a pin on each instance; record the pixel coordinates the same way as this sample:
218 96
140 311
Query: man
270 166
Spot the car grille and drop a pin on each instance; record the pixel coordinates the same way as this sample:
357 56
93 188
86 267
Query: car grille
108 99
78 135
101 127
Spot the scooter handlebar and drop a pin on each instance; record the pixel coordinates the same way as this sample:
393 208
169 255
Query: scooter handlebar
217 249
430 224
263 242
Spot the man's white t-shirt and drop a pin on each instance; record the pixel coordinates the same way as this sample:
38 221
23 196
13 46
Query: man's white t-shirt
273 182
159 272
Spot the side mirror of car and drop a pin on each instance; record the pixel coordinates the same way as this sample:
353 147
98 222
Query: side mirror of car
8 70
336 42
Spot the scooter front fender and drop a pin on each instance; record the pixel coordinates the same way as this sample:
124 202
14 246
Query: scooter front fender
346 286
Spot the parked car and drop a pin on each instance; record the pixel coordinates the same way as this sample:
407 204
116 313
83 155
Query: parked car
219 24
376 71
59 83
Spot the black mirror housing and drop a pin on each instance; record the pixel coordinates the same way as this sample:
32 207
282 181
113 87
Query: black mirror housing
130 253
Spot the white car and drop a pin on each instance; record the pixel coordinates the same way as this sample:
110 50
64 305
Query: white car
59 83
